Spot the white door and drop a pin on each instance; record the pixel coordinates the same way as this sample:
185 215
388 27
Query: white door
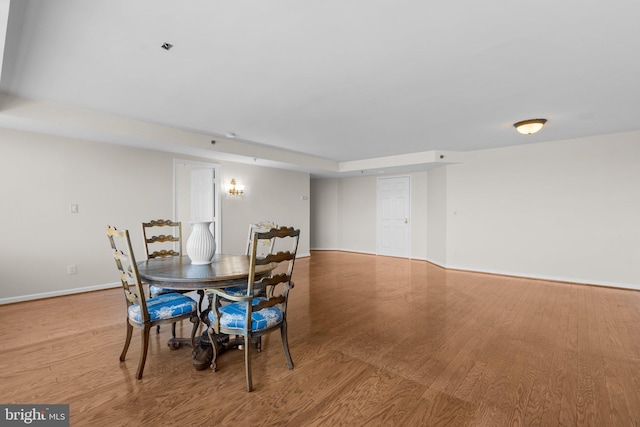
393 217
196 197
202 194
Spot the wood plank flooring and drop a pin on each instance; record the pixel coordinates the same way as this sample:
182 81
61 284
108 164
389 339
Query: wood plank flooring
376 341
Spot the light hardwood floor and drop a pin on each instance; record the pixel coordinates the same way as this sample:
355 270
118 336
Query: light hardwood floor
375 340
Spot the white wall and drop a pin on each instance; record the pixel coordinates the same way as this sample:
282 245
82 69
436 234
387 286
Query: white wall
270 194
437 216
357 214
419 214
564 210
561 210
324 214
116 185
352 202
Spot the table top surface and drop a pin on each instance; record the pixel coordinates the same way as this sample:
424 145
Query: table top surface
178 272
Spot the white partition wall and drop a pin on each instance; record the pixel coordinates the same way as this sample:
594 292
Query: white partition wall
42 176
324 214
561 210
437 216
564 210
275 195
344 214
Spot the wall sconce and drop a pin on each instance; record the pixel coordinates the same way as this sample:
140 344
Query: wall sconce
527 127
234 188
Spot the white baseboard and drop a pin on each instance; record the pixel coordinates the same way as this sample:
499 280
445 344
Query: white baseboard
343 250
438 263
21 298
564 279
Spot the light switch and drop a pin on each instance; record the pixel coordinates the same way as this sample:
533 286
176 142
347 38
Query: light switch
73 208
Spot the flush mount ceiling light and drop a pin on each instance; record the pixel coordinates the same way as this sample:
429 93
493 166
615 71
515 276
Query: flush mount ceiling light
527 127
167 46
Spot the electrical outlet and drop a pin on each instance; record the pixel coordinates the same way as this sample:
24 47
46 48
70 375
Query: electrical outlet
72 269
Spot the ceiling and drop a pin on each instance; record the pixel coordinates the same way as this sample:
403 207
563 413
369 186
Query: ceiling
333 81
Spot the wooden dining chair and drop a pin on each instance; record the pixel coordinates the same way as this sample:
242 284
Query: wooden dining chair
264 247
143 313
253 316
162 245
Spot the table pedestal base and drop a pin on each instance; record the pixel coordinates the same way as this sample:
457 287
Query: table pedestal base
176 343
203 354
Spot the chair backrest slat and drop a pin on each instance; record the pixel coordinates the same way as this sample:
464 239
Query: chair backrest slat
162 245
279 257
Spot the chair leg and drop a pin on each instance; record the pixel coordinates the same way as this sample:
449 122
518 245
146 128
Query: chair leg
285 344
201 293
143 351
247 361
173 329
196 322
127 341
214 348
158 329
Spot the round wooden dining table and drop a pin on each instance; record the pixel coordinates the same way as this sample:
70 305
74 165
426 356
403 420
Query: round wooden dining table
179 274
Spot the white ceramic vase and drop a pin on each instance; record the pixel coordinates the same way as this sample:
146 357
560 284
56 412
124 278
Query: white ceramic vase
201 246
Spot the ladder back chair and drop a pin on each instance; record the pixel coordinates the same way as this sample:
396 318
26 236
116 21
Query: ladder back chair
253 316
143 313
163 245
264 247
156 245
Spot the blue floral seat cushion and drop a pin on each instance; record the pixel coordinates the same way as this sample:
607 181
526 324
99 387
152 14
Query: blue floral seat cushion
163 306
233 316
240 291
154 291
